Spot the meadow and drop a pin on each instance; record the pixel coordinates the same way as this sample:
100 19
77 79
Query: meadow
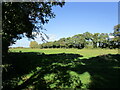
87 53
61 68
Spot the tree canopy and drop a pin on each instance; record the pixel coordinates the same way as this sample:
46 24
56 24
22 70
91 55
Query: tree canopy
33 44
116 33
20 19
87 39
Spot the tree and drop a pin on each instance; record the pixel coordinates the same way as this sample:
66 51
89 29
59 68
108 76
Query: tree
62 42
56 44
40 46
34 44
79 41
88 37
20 19
114 40
117 36
116 33
69 42
94 39
103 40
83 40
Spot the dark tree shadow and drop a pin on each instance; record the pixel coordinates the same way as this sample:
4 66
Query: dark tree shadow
31 69
39 64
104 71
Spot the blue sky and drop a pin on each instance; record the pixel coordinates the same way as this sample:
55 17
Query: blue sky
78 17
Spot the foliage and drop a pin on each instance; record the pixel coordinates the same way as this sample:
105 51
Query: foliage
117 34
117 30
33 44
88 39
22 19
85 40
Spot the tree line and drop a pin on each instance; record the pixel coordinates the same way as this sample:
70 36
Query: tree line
85 40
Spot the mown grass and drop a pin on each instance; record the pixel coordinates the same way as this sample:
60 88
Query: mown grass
62 68
87 53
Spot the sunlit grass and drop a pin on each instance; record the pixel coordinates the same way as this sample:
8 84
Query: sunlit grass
87 53
85 77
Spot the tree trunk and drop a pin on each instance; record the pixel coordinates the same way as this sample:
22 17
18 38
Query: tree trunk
94 45
5 45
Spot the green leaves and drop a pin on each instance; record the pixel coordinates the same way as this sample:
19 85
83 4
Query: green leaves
34 44
22 18
117 33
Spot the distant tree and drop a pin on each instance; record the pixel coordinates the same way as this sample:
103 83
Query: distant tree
117 36
79 41
34 44
69 42
116 33
94 39
49 44
89 37
62 42
22 18
114 42
40 46
56 44
44 45
103 40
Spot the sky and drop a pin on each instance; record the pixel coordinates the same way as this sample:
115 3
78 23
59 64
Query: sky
78 17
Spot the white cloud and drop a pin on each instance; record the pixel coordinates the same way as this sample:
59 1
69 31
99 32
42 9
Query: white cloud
21 43
111 36
52 37
24 42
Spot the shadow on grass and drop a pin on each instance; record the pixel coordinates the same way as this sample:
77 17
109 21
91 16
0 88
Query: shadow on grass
45 71
104 71
39 65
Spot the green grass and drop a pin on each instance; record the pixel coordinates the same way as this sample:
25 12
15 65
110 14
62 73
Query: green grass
87 53
58 67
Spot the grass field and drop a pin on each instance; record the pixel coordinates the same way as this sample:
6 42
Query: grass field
87 53
61 68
